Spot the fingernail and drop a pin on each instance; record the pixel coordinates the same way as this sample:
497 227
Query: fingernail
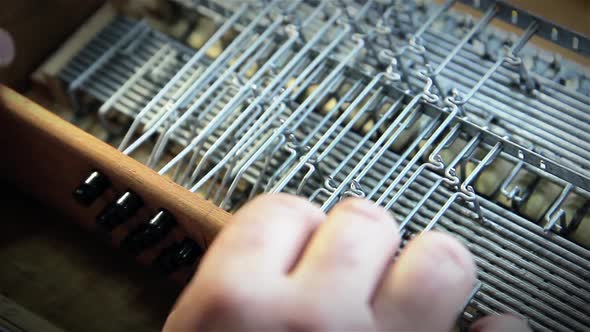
454 263
451 270
367 209
7 50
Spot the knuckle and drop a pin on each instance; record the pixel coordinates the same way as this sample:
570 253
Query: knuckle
308 317
283 204
365 210
278 200
221 298
341 256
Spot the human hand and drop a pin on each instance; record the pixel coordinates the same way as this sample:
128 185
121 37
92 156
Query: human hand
282 265
7 51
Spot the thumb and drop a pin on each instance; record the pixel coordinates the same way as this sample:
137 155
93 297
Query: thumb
7 50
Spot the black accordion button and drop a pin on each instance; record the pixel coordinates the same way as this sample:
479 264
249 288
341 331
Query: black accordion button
94 186
178 255
119 211
148 234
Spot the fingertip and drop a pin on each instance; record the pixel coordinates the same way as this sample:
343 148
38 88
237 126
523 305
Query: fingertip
7 48
500 323
349 253
366 208
365 219
267 234
428 284
448 248
366 211
283 203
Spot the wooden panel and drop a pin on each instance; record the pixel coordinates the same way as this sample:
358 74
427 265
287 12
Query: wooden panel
573 14
50 158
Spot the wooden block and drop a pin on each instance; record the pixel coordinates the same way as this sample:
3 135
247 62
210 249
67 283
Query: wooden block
59 156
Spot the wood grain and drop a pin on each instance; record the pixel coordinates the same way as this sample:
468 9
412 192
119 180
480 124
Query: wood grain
49 158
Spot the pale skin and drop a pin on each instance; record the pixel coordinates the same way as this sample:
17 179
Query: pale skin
281 264
7 50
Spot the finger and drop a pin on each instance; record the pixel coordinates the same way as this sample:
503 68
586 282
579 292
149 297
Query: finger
350 251
500 323
7 51
246 266
427 286
264 238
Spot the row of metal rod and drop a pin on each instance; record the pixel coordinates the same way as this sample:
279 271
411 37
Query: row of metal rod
541 142
403 199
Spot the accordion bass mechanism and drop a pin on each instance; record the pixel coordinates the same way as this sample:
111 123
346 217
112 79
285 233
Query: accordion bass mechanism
470 117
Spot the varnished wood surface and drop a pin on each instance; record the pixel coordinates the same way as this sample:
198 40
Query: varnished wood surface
573 14
49 158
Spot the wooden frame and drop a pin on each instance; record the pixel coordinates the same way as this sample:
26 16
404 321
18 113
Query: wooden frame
49 158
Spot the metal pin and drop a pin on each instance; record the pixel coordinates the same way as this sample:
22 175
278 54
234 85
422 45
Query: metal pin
278 78
84 76
467 192
220 32
336 71
509 54
107 105
454 110
555 213
513 195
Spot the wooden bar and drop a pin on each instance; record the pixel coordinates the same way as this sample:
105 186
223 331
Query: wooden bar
49 158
